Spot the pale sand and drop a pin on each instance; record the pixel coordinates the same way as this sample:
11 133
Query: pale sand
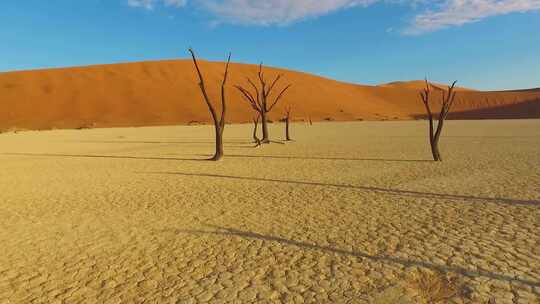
346 214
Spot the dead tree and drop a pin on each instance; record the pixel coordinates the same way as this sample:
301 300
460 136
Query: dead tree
219 122
256 139
260 101
448 97
287 119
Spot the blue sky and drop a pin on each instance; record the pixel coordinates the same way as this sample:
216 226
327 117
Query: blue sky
485 44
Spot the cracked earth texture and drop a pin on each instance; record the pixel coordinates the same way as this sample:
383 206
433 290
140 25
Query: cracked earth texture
347 213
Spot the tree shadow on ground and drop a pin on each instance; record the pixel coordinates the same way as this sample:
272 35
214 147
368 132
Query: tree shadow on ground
229 144
229 232
480 136
103 156
397 192
158 142
325 158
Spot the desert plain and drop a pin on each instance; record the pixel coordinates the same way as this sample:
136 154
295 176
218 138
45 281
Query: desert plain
350 212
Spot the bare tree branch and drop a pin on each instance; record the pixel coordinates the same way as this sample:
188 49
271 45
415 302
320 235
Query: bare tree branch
256 91
261 79
279 97
248 97
203 89
273 84
223 83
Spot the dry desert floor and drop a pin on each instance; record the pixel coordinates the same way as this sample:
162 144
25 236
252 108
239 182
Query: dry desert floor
348 213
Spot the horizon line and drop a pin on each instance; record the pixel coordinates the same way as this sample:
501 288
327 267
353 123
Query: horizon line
127 62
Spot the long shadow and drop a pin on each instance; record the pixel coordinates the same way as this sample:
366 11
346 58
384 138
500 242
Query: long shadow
157 142
465 136
232 145
327 158
396 192
229 232
101 156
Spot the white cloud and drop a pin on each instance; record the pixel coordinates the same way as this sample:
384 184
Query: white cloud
459 12
271 12
150 4
434 15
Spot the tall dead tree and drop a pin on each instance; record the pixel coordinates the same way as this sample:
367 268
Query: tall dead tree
260 99
448 97
219 122
287 119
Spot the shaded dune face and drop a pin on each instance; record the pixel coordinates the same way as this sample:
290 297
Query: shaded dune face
166 92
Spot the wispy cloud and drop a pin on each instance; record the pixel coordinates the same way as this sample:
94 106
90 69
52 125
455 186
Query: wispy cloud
459 12
434 14
273 12
150 4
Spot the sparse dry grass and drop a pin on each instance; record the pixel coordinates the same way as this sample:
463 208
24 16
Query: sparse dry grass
435 287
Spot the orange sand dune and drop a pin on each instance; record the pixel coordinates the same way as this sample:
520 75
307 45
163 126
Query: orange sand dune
418 85
166 92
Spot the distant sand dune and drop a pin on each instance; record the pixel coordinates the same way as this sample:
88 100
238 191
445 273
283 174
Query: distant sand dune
165 92
418 85
525 109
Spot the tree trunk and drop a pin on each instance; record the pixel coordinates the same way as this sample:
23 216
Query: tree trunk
264 122
219 143
434 146
287 137
435 151
255 128
435 142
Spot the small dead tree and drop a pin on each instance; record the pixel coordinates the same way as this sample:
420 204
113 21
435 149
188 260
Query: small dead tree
219 122
256 139
448 97
287 119
260 99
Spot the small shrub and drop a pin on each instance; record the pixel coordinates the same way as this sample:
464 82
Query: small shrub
435 287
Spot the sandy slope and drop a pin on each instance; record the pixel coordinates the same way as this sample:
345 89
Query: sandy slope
165 93
419 85
347 214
